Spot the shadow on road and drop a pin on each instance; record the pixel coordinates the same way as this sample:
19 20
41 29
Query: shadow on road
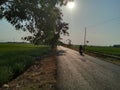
61 52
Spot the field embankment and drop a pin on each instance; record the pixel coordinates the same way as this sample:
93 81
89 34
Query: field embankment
16 58
40 76
111 54
104 50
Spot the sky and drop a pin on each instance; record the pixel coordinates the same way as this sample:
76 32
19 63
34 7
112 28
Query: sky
8 33
100 17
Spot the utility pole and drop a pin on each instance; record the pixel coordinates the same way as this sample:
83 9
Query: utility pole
85 39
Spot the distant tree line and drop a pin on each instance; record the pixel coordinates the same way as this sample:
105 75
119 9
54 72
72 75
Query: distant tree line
116 45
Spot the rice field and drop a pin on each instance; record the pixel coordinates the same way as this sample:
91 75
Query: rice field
16 58
101 49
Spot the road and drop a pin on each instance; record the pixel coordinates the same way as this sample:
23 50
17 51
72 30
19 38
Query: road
77 72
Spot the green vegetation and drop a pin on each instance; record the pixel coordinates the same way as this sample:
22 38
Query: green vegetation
104 50
75 47
15 58
115 51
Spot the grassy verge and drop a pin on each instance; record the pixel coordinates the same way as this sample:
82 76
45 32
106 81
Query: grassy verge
16 58
40 76
103 50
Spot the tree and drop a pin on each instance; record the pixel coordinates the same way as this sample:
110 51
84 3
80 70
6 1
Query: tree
42 18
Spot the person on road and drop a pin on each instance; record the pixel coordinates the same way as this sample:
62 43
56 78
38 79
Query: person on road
81 50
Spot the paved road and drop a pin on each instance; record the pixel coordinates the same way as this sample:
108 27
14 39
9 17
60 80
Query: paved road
77 72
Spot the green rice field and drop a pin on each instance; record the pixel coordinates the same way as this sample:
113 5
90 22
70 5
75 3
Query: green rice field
104 50
16 58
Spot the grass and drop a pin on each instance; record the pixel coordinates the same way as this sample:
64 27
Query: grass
16 58
40 76
104 50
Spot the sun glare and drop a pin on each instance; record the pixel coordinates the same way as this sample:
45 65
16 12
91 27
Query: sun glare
70 5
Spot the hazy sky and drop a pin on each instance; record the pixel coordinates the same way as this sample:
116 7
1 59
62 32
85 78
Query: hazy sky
100 17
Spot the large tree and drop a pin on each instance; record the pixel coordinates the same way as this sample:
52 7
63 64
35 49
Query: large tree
42 18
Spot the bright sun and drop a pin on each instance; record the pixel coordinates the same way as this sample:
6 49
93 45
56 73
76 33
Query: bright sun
70 5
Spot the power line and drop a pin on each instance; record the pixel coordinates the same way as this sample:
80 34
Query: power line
104 22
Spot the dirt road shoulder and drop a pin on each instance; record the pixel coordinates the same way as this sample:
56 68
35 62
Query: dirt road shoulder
40 76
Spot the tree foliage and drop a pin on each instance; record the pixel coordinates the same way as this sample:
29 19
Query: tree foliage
42 18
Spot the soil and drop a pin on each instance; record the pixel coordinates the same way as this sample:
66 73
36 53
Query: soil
40 76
